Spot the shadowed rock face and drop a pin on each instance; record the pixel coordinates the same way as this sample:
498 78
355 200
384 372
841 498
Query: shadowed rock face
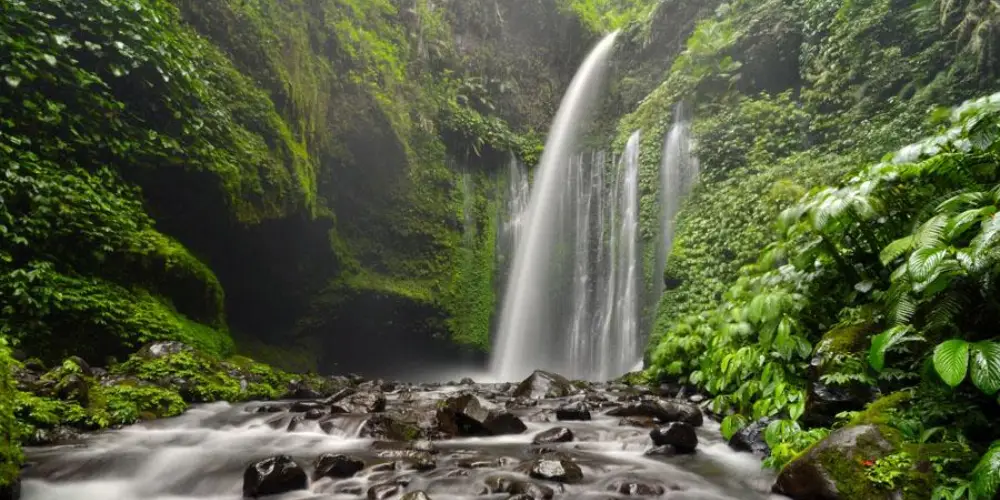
425 441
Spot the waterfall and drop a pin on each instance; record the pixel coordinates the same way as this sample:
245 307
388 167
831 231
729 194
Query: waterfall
515 190
678 173
529 334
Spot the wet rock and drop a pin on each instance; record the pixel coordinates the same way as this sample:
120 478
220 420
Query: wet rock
422 445
314 414
644 422
662 451
542 384
273 476
634 488
305 406
517 403
410 459
74 387
301 390
362 402
157 350
85 368
677 434
542 417
337 466
560 471
468 415
383 491
835 465
467 381
295 423
662 410
573 411
393 427
555 435
416 495
515 487
339 395
751 438
696 398
824 402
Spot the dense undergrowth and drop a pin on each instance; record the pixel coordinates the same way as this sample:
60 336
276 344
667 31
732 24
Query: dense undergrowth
781 291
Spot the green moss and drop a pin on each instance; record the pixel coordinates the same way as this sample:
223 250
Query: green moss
883 410
845 339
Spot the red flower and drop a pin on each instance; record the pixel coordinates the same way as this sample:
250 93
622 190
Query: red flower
868 463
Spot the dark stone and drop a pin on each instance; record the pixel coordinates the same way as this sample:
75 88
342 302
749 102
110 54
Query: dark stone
305 406
362 402
295 423
157 350
415 495
84 366
314 414
554 435
339 395
824 402
573 411
677 434
542 384
836 460
301 390
467 381
273 476
392 427
383 491
74 387
515 486
468 415
663 411
661 451
751 438
521 497
644 422
410 459
561 471
337 466
633 488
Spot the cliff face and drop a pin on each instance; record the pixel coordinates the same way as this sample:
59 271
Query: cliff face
307 173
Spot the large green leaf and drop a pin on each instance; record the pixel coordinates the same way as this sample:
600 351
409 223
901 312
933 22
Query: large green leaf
732 424
985 370
986 475
882 342
896 249
924 261
951 361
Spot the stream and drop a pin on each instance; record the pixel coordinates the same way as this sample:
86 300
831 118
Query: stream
204 453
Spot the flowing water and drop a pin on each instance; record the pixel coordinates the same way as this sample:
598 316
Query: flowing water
678 173
516 189
202 455
534 328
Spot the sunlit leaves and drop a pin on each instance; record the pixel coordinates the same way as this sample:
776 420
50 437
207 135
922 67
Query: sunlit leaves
732 424
986 475
951 361
985 370
884 341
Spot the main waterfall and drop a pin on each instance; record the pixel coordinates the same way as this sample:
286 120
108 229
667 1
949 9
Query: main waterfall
529 331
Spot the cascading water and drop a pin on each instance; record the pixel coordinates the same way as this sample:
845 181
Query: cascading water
516 191
678 174
529 332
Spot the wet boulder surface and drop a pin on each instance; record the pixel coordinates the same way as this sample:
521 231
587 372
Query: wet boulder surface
542 438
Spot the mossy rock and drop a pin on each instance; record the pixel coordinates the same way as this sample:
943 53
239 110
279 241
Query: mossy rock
837 467
878 412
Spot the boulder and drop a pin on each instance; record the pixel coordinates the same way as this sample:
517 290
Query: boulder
662 451
384 490
834 469
554 435
468 415
573 411
273 476
305 406
336 466
467 381
157 350
415 495
410 459
393 427
544 385
74 387
301 389
561 471
662 410
362 402
635 488
751 438
514 486
677 434
825 401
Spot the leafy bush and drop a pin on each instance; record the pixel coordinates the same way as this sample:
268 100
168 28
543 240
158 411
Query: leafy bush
10 450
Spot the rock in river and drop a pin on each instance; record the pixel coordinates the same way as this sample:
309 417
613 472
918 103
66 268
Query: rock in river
544 385
468 415
554 435
751 438
561 471
337 466
677 434
573 411
273 476
662 410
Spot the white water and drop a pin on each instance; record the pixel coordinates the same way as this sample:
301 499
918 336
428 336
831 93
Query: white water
202 455
516 191
678 174
527 326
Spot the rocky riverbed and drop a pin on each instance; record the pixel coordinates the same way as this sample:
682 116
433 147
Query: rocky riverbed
543 438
